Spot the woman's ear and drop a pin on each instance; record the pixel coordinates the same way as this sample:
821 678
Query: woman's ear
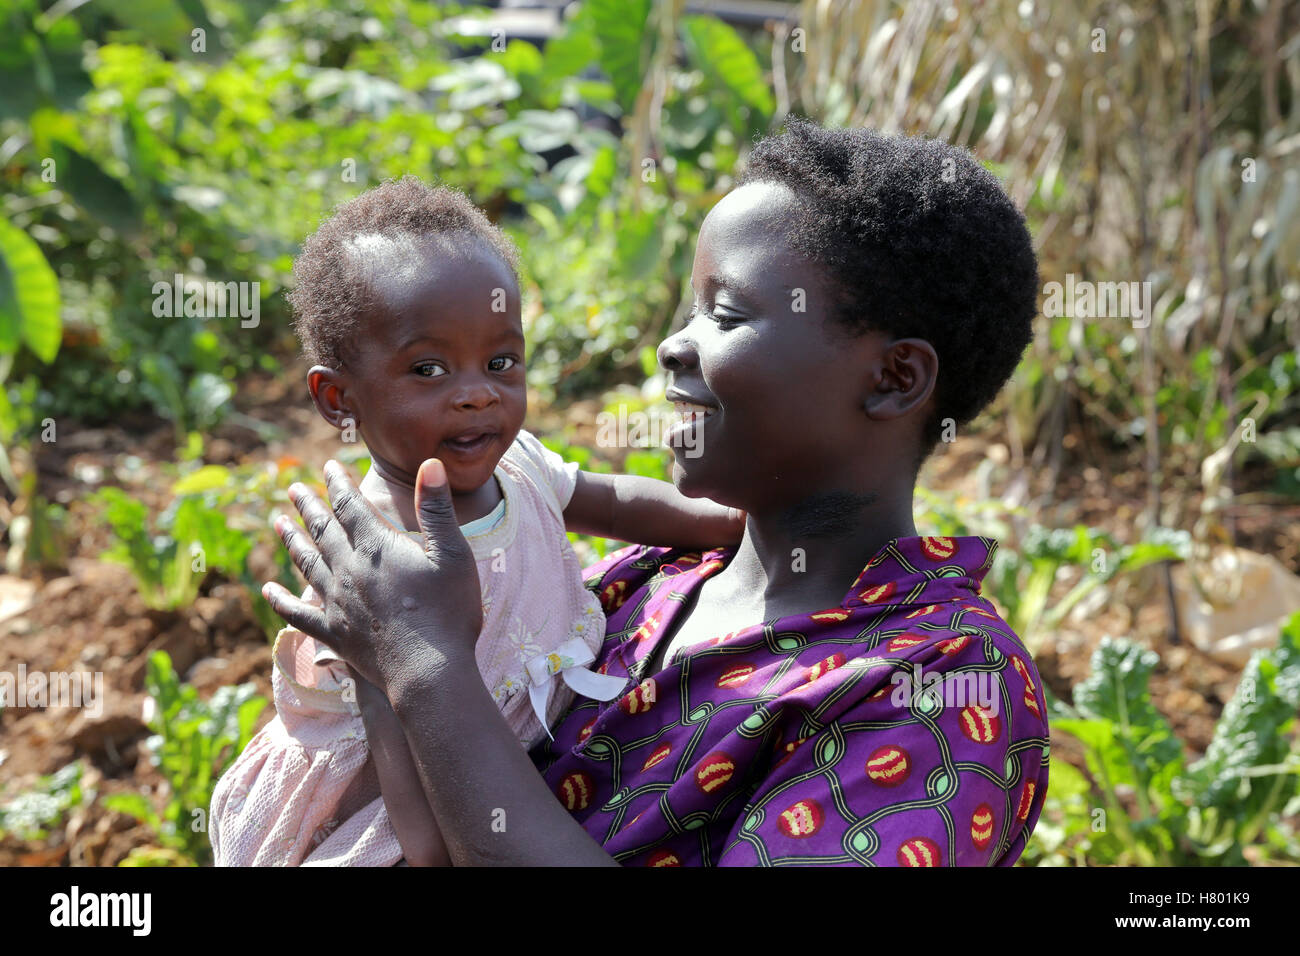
904 381
328 389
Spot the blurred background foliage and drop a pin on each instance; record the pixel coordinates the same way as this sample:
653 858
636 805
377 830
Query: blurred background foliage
128 157
1147 141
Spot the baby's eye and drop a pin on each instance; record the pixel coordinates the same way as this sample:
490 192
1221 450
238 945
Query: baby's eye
494 366
429 370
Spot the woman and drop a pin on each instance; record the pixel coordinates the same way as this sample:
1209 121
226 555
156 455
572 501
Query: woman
834 690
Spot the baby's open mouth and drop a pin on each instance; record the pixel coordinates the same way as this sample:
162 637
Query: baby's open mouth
471 442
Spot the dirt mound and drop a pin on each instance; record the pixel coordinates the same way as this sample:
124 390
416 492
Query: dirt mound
92 623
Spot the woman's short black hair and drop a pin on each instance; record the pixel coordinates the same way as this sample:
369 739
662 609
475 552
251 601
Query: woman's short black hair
920 241
333 284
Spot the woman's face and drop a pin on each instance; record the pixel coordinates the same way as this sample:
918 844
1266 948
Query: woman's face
784 391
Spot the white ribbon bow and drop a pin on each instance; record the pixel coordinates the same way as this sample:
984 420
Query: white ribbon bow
569 661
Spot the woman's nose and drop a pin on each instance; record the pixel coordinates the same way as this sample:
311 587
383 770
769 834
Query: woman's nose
677 352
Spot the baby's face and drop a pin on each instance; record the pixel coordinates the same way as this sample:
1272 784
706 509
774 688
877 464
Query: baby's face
439 367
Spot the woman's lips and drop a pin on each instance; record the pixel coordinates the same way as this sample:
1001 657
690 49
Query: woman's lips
687 430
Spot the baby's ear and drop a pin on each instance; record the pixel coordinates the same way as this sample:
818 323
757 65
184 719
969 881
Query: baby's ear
329 393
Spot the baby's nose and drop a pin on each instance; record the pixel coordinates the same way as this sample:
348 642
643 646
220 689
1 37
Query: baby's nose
476 395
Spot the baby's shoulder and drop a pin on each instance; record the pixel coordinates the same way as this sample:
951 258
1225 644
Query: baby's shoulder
531 464
527 452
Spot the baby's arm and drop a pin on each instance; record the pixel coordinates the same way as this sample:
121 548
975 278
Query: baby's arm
408 809
649 511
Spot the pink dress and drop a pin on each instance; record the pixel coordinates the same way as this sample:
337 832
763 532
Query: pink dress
304 791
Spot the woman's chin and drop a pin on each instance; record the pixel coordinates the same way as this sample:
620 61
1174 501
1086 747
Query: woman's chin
690 479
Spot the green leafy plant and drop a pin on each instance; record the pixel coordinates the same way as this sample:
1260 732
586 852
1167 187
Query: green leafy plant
246 496
30 319
193 742
1250 770
1140 804
214 521
170 560
32 814
1021 580
1025 574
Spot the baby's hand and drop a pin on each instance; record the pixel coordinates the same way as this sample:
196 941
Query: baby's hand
718 525
735 525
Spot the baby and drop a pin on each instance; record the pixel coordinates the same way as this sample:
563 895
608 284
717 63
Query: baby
408 302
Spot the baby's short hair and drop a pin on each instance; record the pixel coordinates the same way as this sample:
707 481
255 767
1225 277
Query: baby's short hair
918 240
333 289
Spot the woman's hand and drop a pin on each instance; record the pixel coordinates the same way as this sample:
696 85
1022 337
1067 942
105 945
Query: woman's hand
386 606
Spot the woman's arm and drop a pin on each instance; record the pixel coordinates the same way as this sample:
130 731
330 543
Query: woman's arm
649 511
399 781
407 620
500 811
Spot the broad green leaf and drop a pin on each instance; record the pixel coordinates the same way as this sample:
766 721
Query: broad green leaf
160 23
571 52
1066 781
1252 733
99 194
520 58
621 27
29 296
640 241
1137 556
1097 734
1117 691
207 478
206 399
40 62
720 53
1106 758
541 130
604 166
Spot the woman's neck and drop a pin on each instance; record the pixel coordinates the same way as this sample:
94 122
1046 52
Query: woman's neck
810 554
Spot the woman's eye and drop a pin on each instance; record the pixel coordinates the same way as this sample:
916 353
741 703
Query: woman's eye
722 319
494 366
429 370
